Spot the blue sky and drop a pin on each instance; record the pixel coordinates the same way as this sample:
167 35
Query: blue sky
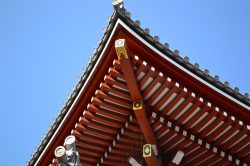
44 46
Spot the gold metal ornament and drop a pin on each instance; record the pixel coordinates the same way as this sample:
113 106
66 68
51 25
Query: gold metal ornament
147 150
137 105
120 47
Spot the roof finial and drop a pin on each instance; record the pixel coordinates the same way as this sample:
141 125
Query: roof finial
118 4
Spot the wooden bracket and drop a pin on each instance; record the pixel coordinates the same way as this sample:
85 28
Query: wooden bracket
138 104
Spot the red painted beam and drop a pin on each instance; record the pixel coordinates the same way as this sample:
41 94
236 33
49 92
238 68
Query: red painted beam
115 73
235 138
148 89
172 142
111 81
188 113
193 155
222 128
147 76
223 162
90 145
107 113
189 100
83 151
173 90
201 124
211 160
210 127
165 84
202 158
106 88
140 111
113 99
240 145
95 140
227 134
243 152
197 116
111 106
247 158
141 69
170 106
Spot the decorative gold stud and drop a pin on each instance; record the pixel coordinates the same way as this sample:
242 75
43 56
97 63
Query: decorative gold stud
137 105
147 150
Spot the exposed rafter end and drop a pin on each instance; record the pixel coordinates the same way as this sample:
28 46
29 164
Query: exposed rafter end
133 162
178 157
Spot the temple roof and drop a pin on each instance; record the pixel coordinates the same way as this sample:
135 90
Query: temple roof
172 55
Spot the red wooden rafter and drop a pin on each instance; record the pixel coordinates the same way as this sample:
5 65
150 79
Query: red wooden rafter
129 76
210 132
109 110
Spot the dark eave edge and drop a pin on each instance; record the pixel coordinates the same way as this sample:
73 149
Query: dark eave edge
184 62
62 114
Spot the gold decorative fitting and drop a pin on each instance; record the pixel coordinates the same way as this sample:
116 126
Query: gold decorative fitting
120 47
137 105
147 150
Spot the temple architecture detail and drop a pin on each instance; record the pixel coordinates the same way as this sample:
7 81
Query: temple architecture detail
139 103
68 156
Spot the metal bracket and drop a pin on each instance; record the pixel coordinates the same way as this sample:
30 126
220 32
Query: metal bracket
120 47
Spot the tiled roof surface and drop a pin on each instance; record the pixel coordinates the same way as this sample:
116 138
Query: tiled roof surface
184 61
164 48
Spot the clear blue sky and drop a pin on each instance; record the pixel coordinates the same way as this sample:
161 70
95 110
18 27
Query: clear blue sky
45 44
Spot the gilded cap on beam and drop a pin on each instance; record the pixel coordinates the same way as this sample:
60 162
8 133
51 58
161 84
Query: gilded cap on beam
121 48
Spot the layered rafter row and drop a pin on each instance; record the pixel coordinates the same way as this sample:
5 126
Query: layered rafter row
169 99
108 132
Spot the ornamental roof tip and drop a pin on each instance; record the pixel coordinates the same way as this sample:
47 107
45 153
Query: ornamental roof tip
121 12
118 4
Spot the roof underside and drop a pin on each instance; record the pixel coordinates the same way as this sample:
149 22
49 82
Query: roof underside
183 111
108 133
